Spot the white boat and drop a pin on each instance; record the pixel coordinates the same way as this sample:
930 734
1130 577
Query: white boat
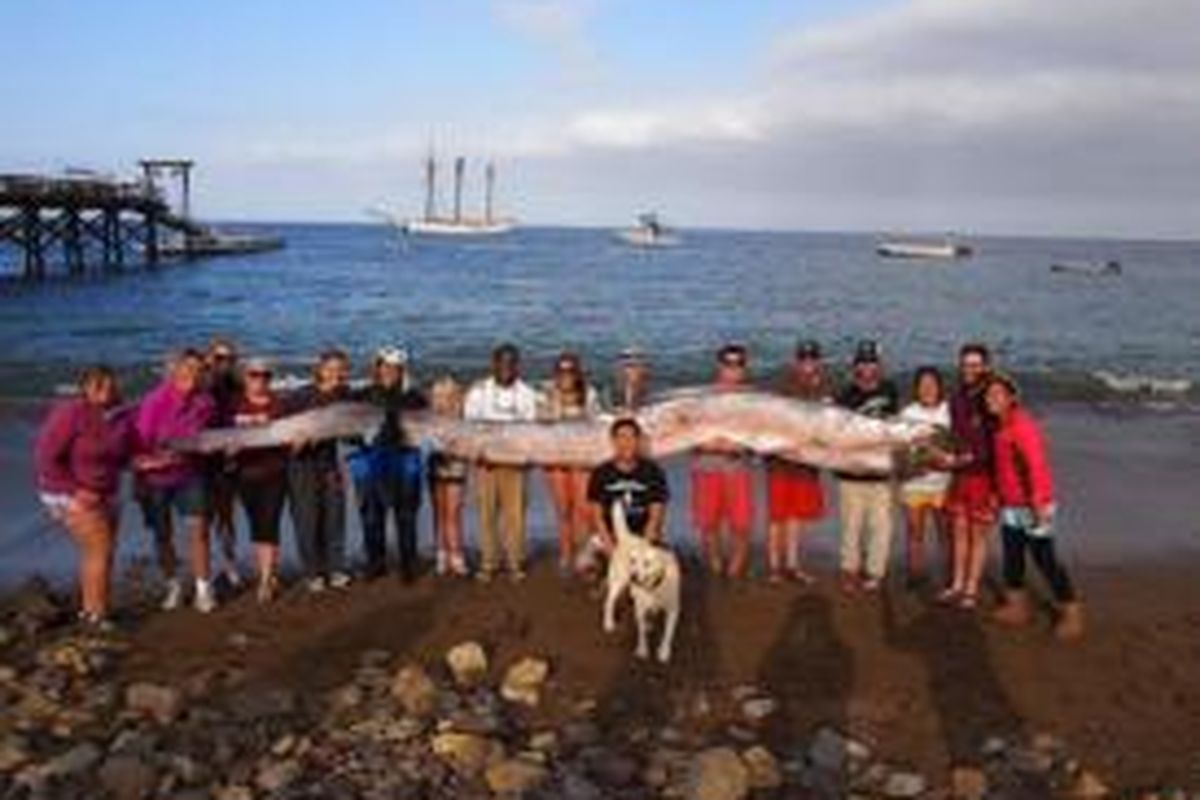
1091 269
648 233
944 250
456 224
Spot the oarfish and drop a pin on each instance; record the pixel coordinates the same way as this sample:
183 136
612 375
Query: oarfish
334 421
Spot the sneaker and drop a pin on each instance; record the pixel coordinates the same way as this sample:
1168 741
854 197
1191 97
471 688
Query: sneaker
442 566
96 623
849 582
232 577
871 584
173 596
316 585
516 575
267 588
339 580
458 565
205 600
484 575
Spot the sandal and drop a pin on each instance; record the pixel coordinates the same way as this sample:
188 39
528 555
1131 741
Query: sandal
949 595
969 601
801 577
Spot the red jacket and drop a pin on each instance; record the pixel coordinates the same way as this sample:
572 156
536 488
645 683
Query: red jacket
81 446
1022 469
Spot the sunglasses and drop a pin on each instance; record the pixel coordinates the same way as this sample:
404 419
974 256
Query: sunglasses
736 363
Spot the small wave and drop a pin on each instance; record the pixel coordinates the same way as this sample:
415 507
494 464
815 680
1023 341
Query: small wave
1133 383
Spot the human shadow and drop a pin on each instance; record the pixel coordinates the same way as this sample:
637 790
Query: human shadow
970 702
810 670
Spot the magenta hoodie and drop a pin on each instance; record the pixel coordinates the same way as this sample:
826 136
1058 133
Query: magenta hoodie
166 414
81 446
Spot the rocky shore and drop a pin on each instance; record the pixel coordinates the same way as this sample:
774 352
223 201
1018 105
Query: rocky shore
465 722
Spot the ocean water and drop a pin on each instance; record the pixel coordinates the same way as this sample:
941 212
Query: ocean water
1070 337
360 286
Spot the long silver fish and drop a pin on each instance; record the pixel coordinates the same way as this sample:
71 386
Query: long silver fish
816 434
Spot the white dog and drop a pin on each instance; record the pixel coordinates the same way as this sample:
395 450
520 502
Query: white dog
651 574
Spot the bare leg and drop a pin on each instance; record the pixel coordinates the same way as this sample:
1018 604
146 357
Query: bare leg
915 541
739 560
164 546
978 558
452 509
777 549
93 533
198 536
559 482
711 544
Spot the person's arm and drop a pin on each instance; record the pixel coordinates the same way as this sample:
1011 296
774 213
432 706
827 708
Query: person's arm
53 446
655 522
658 495
473 403
1032 450
600 525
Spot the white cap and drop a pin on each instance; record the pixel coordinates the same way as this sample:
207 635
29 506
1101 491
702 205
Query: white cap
396 356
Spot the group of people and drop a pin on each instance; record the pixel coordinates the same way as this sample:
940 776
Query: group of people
989 470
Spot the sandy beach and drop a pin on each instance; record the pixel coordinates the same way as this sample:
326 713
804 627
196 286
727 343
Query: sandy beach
926 686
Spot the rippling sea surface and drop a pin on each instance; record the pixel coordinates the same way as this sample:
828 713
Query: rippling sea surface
360 286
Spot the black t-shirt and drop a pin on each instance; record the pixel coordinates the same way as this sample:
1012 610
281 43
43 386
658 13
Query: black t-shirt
637 490
880 402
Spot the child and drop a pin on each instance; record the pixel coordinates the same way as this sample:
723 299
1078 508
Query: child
447 485
923 496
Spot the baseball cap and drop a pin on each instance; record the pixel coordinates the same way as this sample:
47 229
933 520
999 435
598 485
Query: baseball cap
632 355
808 348
395 356
867 352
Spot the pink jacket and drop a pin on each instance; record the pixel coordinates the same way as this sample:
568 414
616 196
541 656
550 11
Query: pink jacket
1022 470
81 446
165 414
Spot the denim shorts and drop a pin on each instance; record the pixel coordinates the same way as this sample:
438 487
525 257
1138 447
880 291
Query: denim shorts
187 499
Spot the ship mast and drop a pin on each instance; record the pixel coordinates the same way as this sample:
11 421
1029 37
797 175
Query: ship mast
459 166
430 177
490 176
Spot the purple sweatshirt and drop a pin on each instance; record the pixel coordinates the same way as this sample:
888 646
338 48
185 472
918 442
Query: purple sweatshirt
166 414
81 446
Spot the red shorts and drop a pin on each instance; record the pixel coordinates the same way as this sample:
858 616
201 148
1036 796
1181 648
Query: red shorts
723 496
973 496
794 492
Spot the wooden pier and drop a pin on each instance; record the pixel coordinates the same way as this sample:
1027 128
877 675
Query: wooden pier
75 225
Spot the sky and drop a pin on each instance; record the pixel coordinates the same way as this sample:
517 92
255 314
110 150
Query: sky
1045 117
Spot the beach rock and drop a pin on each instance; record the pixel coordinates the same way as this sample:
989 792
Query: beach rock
544 742
573 786
580 733
14 754
994 747
762 768
7 636
346 698
468 664
968 783
128 778
759 708
611 769
467 753
75 761
1029 761
234 792
33 608
163 704
523 681
276 775
833 752
904 785
1088 785
415 691
514 776
717 774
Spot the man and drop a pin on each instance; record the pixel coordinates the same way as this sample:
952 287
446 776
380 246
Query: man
638 483
971 501
387 471
722 483
225 386
632 380
171 482
866 502
502 397
794 494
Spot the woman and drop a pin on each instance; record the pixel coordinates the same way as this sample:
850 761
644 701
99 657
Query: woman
568 396
316 488
447 485
261 474
221 361
795 498
81 449
1027 511
387 471
924 496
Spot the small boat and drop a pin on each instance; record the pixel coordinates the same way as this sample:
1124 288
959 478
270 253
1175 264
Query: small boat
210 242
648 233
944 250
1093 269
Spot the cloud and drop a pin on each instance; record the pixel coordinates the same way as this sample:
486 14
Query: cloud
559 24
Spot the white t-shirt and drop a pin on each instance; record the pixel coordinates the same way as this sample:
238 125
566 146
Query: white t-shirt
933 482
491 402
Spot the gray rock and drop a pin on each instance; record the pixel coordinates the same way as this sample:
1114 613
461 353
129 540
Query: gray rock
762 768
163 704
580 733
574 786
759 708
544 741
14 754
468 663
968 783
415 691
833 752
904 785
515 777
524 680
234 792
77 760
128 777
717 774
467 753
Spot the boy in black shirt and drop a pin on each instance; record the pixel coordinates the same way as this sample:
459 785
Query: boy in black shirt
637 482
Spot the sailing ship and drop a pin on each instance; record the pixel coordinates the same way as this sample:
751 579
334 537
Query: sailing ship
457 224
649 232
